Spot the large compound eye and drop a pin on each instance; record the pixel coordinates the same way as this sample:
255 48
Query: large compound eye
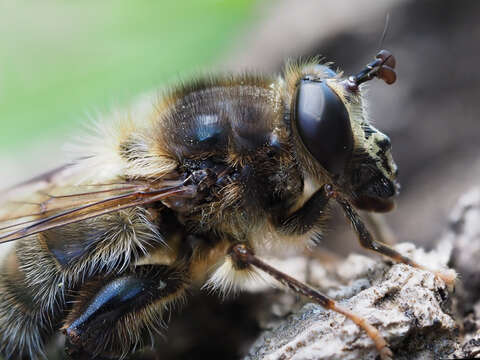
323 125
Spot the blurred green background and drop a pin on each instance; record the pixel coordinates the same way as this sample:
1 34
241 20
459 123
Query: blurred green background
60 60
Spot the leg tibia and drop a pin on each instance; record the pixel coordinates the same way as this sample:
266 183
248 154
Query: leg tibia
368 242
243 254
113 316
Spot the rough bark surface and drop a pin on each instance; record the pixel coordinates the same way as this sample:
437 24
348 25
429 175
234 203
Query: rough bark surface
464 233
411 308
418 314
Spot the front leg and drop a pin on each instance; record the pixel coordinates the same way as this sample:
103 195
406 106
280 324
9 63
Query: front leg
368 242
111 317
310 216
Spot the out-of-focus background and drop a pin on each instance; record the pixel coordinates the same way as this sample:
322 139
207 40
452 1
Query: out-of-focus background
61 62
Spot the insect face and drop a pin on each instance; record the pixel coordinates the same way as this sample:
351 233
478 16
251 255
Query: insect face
328 115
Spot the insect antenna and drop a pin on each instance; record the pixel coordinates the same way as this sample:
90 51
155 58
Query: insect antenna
382 67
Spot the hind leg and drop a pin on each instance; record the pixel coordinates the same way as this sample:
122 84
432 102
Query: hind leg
114 317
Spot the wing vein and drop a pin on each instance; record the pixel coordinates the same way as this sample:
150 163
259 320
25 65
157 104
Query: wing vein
142 196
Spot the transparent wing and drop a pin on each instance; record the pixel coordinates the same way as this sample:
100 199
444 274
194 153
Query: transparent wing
50 205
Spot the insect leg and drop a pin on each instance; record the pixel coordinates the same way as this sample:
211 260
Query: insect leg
305 218
111 318
242 254
380 228
368 242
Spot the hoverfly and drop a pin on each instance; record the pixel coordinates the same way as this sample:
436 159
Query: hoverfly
192 188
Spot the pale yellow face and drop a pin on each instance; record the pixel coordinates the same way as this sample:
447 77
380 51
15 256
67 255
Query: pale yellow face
366 137
369 179
373 171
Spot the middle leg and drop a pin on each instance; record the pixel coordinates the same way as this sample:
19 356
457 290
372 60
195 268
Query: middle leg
243 256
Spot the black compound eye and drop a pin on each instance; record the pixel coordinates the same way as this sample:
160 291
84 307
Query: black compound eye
323 125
